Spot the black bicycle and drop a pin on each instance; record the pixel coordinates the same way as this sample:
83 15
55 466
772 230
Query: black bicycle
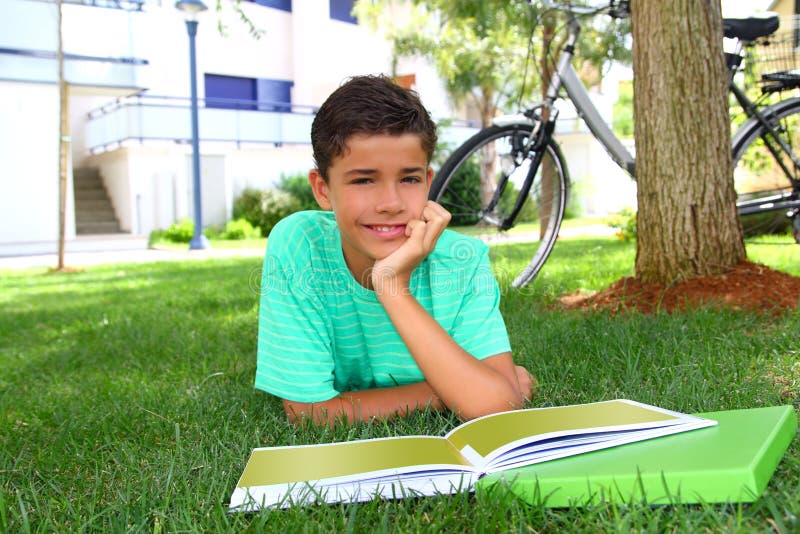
509 182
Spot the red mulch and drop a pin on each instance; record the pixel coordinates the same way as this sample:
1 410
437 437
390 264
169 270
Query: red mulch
749 286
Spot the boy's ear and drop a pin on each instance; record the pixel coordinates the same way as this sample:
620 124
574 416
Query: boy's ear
430 178
319 187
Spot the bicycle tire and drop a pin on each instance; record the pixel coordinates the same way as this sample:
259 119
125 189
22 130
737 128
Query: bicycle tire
457 187
757 173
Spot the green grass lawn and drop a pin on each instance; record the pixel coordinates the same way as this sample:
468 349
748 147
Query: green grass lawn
126 397
533 227
215 243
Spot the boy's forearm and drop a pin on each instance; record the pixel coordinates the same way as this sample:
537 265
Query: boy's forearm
363 405
465 384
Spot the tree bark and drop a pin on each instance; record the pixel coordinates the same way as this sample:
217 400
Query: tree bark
547 63
488 168
687 222
63 143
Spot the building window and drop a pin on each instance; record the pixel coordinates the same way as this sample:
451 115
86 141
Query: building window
230 92
283 5
234 92
342 10
274 95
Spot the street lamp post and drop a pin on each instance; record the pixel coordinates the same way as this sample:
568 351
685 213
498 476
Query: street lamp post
190 9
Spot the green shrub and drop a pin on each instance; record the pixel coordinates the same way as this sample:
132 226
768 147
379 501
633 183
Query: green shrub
264 208
297 185
181 231
625 223
240 229
156 236
214 231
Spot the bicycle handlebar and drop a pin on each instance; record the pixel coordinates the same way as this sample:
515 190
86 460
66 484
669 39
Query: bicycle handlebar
615 8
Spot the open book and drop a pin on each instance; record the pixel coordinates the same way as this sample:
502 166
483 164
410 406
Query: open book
425 465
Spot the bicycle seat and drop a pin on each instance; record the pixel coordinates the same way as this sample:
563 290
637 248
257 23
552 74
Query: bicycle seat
750 28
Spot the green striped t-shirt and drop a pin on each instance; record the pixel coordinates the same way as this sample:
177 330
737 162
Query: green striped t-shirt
320 333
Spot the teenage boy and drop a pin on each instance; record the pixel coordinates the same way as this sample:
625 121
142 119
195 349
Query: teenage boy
371 308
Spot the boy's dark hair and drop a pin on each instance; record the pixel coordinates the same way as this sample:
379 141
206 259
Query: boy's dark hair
369 105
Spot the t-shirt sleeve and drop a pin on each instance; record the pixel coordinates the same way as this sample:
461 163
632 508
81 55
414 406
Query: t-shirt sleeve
295 358
479 327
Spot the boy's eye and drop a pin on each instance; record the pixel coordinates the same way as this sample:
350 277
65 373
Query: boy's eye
360 180
412 179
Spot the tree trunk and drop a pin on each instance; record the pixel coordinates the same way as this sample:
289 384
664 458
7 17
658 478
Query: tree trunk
488 168
687 222
547 63
63 144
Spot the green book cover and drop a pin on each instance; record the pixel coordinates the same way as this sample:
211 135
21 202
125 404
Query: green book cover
730 462
427 465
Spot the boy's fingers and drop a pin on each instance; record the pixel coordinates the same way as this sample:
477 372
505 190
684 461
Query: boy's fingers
415 229
435 211
437 218
527 382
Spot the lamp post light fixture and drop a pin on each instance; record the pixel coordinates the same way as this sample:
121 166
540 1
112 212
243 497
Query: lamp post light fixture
191 9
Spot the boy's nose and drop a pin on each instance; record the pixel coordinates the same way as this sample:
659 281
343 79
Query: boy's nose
389 201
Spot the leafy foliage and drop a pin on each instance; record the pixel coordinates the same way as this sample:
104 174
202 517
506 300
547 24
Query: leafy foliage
240 229
623 111
181 231
477 47
483 49
264 208
298 186
625 222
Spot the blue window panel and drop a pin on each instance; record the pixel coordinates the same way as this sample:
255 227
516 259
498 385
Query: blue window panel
274 95
341 10
230 92
283 5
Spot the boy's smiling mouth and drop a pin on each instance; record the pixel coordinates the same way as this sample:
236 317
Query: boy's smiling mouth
387 230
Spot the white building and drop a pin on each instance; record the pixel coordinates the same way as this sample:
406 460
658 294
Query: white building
126 63
127 66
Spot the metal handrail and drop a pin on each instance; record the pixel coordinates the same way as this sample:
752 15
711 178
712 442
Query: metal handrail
149 100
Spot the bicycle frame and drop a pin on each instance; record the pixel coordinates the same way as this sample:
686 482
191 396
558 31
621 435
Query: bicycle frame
566 77
588 112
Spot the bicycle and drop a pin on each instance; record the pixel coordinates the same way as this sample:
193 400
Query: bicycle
532 180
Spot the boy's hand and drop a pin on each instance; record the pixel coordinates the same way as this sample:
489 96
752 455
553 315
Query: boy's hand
423 233
527 382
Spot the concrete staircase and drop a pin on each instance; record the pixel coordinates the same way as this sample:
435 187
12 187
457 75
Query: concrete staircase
94 213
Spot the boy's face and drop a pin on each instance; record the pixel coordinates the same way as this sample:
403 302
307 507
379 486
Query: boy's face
374 188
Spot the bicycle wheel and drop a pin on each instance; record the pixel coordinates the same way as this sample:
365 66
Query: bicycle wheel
764 181
481 182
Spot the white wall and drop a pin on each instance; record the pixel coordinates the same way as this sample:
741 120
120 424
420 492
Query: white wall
327 52
599 186
29 153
